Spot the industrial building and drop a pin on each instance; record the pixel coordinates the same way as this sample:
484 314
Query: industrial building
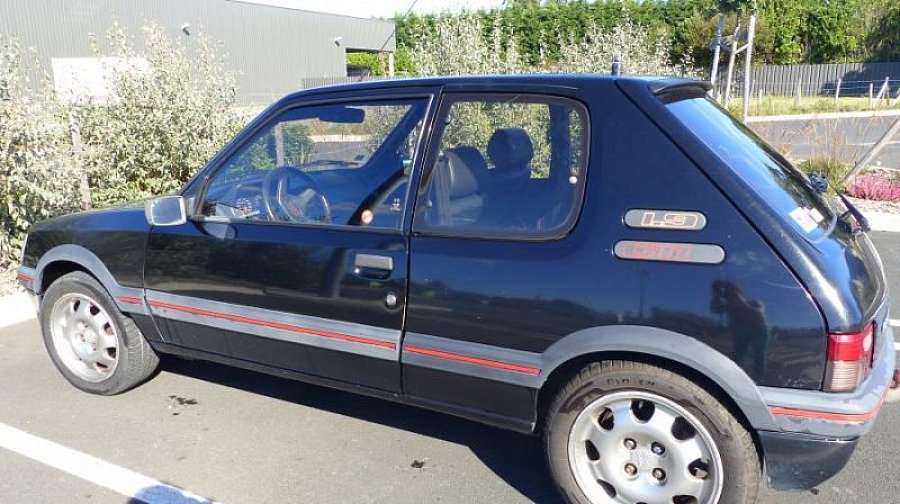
271 50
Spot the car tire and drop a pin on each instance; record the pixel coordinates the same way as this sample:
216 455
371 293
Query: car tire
622 431
95 347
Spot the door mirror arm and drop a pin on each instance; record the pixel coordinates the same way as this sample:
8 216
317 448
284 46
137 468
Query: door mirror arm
190 208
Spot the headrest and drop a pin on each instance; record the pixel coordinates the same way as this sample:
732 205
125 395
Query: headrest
471 157
460 177
510 148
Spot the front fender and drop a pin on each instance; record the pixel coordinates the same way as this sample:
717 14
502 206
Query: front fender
128 299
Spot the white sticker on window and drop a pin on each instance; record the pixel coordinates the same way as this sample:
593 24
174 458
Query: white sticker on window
816 215
803 219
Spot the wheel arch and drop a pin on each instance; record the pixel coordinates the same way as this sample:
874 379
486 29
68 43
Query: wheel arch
54 271
64 259
673 351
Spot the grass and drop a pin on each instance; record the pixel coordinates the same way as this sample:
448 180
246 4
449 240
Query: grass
783 105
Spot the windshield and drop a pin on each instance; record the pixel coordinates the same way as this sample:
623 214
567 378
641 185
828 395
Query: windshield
782 186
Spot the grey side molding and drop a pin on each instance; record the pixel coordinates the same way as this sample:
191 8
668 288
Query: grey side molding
672 346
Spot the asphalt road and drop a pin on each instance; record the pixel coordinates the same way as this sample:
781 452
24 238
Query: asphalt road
242 437
844 139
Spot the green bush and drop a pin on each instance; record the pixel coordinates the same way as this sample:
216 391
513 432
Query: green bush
455 45
834 170
170 110
375 63
38 178
795 31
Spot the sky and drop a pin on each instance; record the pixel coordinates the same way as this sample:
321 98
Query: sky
381 8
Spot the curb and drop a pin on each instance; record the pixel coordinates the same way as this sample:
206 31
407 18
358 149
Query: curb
824 115
882 221
15 309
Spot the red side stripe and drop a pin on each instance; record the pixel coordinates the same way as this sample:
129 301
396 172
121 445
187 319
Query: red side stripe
832 417
129 300
25 278
472 360
274 325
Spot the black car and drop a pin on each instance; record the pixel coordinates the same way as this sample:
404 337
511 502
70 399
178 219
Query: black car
613 263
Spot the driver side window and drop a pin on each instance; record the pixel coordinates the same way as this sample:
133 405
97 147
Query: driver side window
343 163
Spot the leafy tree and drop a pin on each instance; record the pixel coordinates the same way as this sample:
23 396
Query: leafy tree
883 34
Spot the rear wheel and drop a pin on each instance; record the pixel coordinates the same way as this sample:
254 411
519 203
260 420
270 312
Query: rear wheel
628 432
94 346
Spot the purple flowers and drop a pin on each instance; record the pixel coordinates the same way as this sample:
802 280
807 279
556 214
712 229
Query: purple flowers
874 187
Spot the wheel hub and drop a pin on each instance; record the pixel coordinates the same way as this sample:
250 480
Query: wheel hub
640 447
84 337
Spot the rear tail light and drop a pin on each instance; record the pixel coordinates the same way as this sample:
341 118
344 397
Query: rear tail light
849 360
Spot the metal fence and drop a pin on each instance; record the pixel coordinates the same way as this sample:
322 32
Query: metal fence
856 79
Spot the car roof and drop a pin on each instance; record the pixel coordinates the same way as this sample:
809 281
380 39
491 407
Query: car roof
655 83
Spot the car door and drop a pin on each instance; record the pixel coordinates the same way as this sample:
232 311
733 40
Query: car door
495 263
295 257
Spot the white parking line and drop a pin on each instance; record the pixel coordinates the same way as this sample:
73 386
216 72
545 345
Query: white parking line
99 472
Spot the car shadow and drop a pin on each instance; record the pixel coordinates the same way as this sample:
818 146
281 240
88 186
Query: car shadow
516 458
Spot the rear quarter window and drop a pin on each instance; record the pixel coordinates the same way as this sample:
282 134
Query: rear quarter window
784 188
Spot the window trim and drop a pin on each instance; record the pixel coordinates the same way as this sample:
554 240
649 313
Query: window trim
249 134
433 148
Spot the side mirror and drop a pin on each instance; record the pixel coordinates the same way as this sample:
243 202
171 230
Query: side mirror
166 211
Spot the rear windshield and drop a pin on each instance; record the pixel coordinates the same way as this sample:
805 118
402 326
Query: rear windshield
781 185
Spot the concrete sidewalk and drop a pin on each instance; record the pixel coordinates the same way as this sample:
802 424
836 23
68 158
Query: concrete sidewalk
882 221
15 308
863 114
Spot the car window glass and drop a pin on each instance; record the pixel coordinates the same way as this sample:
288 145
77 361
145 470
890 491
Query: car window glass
345 163
509 166
782 186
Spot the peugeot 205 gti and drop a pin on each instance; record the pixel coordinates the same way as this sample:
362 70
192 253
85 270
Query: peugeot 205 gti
613 263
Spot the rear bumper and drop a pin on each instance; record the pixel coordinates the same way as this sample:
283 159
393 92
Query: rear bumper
818 431
837 416
802 461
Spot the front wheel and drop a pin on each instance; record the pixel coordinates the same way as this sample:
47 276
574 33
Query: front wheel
628 432
94 346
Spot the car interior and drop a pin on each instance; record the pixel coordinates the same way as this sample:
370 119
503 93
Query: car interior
467 193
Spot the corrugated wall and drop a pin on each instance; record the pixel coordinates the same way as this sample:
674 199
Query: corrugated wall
822 79
270 49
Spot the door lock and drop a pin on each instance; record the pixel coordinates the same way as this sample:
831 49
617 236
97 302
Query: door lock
390 300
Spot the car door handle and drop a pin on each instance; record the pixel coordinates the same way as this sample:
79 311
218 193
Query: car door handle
374 262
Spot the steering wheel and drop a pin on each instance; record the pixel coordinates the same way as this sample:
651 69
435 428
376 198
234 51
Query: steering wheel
291 195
